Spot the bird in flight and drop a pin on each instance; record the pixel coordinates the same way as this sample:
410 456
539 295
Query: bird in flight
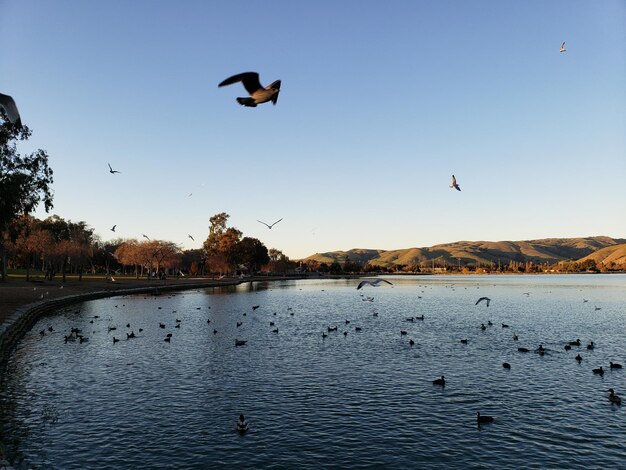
191 237
562 48
8 104
483 298
454 185
269 226
258 93
113 228
373 283
111 170
145 236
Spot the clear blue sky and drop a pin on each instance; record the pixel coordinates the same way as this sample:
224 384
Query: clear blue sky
380 104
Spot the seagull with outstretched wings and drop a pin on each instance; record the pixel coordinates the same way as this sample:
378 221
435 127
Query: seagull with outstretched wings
562 49
373 283
267 225
258 93
113 228
111 170
191 237
487 299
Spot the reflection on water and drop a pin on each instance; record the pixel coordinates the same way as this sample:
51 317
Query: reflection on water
360 399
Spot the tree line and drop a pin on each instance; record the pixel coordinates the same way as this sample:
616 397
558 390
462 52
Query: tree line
57 246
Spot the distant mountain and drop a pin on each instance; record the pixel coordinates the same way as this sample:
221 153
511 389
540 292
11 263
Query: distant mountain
548 250
606 255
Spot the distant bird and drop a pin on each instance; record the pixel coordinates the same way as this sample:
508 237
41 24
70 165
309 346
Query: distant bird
190 194
145 236
8 104
113 228
615 365
441 381
111 170
373 283
269 226
258 93
240 342
523 350
578 357
614 398
506 365
575 343
191 237
254 307
487 299
599 371
590 345
504 325
454 185
483 419
562 49
464 341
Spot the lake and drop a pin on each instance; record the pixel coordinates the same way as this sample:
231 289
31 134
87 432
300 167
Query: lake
364 399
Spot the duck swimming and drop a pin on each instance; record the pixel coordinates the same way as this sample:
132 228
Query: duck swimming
599 371
579 357
590 345
483 419
614 398
441 381
615 365
506 365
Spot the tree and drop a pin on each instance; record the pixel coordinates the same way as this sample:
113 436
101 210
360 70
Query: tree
25 181
252 253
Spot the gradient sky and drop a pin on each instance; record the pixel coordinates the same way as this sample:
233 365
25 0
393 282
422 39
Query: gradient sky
381 102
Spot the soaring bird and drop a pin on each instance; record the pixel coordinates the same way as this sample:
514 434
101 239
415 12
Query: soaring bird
191 237
562 49
8 104
111 170
373 283
483 298
113 228
269 226
145 236
258 94
454 185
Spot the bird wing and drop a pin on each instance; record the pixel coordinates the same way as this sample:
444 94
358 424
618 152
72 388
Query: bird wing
250 81
363 283
10 108
480 300
110 169
276 222
263 223
453 184
113 228
191 237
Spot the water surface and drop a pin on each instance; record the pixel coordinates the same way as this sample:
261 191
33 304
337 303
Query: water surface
360 400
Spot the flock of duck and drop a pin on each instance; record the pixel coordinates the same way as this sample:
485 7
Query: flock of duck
77 335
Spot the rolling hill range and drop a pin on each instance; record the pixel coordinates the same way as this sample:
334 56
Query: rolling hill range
548 250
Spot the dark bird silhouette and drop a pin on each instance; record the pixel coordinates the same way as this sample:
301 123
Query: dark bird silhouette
615 365
579 357
483 419
111 170
562 49
113 228
145 236
192 239
269 226
487 299
8 104
599 371
254 307
373 283
506 365
240 342
614 398
441 381
258 93
454 185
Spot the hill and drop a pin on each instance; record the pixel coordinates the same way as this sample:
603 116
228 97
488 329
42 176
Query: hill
547 250
610 254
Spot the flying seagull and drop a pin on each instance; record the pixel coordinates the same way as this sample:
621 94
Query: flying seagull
454 185
562 48
258 94
113 228
373 283
483 298
269 226
191 237
8 104
145 236
111 170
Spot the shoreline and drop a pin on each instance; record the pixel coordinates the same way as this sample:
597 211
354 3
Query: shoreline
23 303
